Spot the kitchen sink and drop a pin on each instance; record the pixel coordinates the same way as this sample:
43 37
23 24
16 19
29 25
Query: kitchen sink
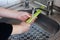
41 29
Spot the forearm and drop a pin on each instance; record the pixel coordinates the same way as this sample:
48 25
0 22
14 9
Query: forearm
8 13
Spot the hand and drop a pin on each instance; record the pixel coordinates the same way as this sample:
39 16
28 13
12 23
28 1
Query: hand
21 28
14 14
23 16
25 27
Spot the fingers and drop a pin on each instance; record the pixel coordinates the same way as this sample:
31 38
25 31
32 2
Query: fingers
28 15
23 16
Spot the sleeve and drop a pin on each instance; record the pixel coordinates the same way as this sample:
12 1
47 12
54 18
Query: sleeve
5 31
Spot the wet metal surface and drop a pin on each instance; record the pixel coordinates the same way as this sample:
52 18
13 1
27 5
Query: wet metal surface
35 33
40 30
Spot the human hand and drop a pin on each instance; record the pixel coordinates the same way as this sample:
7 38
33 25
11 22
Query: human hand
20 15
21 28
23 16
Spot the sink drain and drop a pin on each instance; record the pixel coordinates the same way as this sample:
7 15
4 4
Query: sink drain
35 33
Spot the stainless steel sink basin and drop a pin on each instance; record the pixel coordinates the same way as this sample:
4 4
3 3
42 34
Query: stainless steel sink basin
42 23
41 29
46 23
42 20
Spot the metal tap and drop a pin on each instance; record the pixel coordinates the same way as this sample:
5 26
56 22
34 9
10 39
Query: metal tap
26 3
50 7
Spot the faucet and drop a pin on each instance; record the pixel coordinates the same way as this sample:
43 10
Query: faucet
26 3
50 7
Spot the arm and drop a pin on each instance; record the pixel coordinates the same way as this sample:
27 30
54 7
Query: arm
8 13
14 14
5 31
